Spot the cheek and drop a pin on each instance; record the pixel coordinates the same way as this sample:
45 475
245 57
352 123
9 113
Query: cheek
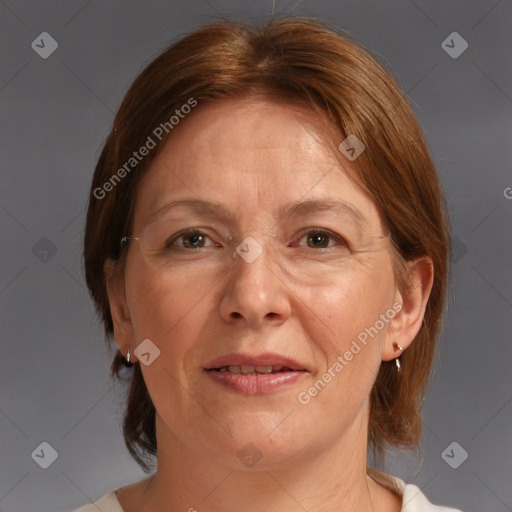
344 319
175 309
171 309
350 301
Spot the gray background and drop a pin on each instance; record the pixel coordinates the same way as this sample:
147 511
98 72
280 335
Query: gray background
55 114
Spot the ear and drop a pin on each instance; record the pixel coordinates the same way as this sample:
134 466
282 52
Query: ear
407 322
123 329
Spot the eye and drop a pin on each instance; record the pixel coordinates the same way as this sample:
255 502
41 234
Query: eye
191 239
321 239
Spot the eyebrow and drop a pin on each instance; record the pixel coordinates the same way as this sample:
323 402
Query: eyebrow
315 206
296 208
199 205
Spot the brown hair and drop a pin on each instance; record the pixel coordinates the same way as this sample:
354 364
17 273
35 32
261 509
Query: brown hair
290 60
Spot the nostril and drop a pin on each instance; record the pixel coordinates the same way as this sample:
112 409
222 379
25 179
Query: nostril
235 314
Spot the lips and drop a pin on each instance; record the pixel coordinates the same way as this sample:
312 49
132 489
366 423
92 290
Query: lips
255 375
263 363
253 370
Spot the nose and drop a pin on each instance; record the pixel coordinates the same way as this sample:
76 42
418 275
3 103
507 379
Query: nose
255 293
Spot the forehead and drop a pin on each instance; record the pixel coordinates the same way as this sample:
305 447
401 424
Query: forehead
251 156
256 123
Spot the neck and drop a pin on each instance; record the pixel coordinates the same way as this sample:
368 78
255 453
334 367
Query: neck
333 480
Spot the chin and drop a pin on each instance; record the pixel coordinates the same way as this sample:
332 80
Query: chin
261 443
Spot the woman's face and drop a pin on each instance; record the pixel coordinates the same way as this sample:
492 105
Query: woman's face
312 289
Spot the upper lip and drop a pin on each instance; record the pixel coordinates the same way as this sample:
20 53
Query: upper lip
266 359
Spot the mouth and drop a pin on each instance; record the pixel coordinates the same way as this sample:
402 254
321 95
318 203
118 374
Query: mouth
259 364
255 375
254 370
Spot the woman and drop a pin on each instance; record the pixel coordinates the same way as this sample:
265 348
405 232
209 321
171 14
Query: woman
267 244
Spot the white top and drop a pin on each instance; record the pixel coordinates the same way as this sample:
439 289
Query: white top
412 498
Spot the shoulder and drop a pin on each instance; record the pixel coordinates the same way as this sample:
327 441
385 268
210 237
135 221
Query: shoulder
108 503
413 500
412 497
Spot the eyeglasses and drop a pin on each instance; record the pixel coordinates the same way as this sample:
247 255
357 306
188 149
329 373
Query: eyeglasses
161 245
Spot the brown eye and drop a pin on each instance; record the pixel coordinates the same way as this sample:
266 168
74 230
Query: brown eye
189 239
319 239
193 240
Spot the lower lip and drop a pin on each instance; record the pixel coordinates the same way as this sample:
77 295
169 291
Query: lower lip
256 384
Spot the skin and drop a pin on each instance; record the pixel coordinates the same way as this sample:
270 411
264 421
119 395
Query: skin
255 157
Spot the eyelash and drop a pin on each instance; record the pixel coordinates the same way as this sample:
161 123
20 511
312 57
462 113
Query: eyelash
315 231
323 232
184 233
